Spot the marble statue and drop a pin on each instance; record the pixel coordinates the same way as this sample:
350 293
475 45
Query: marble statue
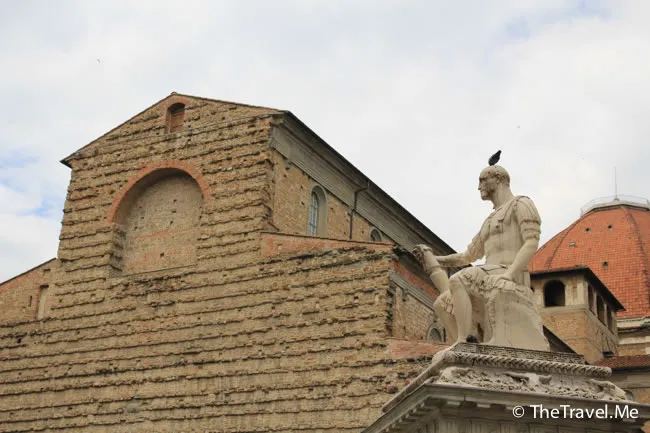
493 299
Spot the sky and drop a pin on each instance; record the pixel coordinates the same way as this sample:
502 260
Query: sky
416 94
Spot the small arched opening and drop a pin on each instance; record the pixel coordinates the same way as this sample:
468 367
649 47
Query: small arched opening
590 298
175 117
317 223
435 335
375 235
554 294
600 310
611 321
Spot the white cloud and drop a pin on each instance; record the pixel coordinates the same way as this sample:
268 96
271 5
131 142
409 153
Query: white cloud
416 94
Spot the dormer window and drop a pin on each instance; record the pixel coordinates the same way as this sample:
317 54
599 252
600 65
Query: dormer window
175 117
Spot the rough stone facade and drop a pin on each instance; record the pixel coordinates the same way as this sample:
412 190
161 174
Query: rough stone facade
186 296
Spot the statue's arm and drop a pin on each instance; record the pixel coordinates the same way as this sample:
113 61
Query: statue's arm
529 223
452 260
474 252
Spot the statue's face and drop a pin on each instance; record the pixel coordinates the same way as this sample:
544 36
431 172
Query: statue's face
487 185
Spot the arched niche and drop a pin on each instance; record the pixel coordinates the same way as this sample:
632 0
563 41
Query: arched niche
157 223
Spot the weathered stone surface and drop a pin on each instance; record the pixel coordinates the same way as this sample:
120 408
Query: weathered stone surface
475 388
244 324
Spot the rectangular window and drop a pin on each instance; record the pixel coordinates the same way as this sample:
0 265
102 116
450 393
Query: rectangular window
42 302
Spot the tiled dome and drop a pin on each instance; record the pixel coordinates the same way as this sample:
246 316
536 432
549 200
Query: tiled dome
613 240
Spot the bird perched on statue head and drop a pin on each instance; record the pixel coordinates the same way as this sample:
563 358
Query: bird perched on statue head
494 158
495 170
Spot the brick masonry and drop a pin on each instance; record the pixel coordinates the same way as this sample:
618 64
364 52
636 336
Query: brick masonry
292 193
226 331
27 296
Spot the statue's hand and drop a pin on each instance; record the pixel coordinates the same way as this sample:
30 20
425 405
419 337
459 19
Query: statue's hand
419 251
424 255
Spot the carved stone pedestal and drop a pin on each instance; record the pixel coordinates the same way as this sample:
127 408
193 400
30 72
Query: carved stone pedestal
486 389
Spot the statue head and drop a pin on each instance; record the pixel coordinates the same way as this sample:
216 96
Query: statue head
491 179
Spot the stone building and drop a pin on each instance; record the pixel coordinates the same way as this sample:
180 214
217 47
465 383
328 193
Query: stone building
592 283
221 268
612 240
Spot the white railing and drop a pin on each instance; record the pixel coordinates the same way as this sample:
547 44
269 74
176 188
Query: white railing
613 200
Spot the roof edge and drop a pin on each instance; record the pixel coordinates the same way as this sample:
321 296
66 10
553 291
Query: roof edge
585 270
367 184
2 283
67 160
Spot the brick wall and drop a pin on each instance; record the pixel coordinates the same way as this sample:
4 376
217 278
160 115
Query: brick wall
291 197
412 318
160 226
295 341
28 296
577 330
243 340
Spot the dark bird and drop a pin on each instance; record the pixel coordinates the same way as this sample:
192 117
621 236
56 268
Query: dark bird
494 158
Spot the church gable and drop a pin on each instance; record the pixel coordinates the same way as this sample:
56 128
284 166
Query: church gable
172 115
142 195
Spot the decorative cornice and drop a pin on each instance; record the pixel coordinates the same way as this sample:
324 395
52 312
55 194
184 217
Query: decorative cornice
300 145
497 359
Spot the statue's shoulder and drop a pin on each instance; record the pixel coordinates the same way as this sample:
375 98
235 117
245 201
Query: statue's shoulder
525 210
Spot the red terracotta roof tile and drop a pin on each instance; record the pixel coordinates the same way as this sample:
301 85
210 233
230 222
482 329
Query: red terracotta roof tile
401 349
630 361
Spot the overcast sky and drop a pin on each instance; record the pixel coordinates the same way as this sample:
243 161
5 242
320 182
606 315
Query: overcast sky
416 94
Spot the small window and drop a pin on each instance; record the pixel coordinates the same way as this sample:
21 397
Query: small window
175 117
554 294
313 214
590 298
434 335
375 235
317 224
611 321
600 308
